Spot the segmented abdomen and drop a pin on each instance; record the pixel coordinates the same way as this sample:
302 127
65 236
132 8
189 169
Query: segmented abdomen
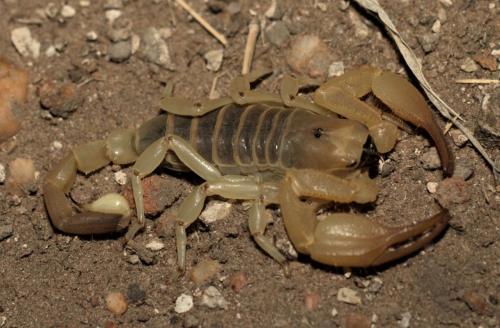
235 138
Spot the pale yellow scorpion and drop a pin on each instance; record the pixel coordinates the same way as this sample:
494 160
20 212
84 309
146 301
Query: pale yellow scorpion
267 149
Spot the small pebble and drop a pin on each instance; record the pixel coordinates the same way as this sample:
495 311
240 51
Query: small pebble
215 210
486 61
112 15
275 11
469 65
214 59
309 55
488 130
277 33
436 27
120 51
165 32
113 4
361 30
348 296
204 271
212 298
91 36
452 191
57 145
334 312
116 303
432 187
155 245
60 99
238 281
135 293
357 320
428 41
67 11
463 170
6 231
24 43
120 178
134 259
336 69
459 139
50 51
430 160
446 3
183 303
311 300
405 320
84 3
2 173
22 177
155 49
476 302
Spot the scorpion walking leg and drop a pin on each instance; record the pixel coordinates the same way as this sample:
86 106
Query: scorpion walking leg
342 239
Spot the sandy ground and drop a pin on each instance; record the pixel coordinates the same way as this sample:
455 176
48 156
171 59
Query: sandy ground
50 279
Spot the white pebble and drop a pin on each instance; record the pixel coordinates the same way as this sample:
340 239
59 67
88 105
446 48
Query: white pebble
165 32
2 173
91 36
67 11
214 59
57 145
348 296
436 27
336 69
155 245
432 187
120 178
215 210
212 298
405 320
136 42
84 3
51 51
112 14
25 44
183 303
334 312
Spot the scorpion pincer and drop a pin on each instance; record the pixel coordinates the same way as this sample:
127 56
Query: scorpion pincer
268 149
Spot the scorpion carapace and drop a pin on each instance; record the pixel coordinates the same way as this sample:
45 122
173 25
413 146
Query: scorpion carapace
268 149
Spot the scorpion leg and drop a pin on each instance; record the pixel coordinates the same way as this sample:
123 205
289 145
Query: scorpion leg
342 239
341 95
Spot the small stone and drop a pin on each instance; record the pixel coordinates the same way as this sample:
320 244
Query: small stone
476 302
2 173
446 3
463 170
22 176
59 99
275 10
134 259
452 191
428 41
120 51
57 145
214 59
6 231
183 303
84 3
488 121
212 298
336 69
112 15
334 312
155 245
361 30
309 55
277 33
459 139
67 11
436 27
51 51
116 303
311 300
405 320
348 296
165 32
120 178
343 5
113 4
430 160
24 43
135 40
204 271
91 36
215 210
155 49
432 187
469 65
486 61
357 320
135 293
238 281
52 10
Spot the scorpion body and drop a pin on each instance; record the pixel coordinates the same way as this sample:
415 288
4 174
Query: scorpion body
268 149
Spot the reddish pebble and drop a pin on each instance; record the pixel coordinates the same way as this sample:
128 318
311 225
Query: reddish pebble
311 300
59 98
238 281
94 300
116 303
452 191
204 271
357 320
309 55
476 303
486 61
110 324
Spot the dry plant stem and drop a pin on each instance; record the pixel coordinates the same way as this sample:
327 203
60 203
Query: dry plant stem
412 62
222 39
477 81
253 32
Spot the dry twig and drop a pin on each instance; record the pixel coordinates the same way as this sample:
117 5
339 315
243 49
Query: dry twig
477 81
203 22
253 32
414 65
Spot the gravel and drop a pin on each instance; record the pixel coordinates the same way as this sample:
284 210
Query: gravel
120 51
349 296
155 49
183 303
214 59
277 33
24 43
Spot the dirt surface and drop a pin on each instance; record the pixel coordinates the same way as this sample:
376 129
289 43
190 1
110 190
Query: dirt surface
50 279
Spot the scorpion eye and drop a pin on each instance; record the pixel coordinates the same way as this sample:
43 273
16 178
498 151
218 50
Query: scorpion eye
318 133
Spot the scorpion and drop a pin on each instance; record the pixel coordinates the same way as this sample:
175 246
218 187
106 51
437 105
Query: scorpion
288 149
